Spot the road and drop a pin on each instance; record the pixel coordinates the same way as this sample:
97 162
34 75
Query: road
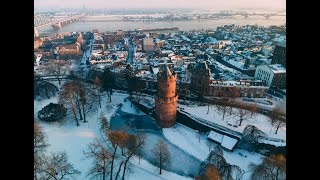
83 67
131 52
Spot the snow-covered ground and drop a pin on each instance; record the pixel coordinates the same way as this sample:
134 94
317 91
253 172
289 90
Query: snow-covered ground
188 139
74 140
260 121
145 171
146 100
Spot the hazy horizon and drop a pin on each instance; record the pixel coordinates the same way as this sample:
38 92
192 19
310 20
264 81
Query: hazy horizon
128 4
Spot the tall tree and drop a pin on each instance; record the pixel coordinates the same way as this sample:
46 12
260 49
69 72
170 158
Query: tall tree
97 85
242 111
222 107
136 85
216 159
128 75
103 123
88 100
108 81
161 154
253 109
278 119
52 113
39 139
250 137
79 95
56 166
134 143
67 96
39 146
117 139
56 68
273 167
44 88
232 94
98 152
211 173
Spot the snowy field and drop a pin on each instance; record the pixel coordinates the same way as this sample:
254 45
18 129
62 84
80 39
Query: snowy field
188 139
260 121
74 140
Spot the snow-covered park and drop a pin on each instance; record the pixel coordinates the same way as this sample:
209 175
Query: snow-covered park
74 140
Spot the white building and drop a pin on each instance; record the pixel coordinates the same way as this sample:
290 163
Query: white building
273 75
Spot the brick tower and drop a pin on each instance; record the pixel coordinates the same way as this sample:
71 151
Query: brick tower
167 98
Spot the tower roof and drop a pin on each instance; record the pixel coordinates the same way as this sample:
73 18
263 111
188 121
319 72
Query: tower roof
166 71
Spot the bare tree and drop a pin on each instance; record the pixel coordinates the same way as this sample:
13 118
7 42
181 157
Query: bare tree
250 137
134 143
56 68
278 119
40 144
109 107
253 109
44 88
222 107
242 111
56 166
104 123
161 154
211 173
97 86
67 96
79 95
39 139
98 152
216 159
87 100
273 167
117 140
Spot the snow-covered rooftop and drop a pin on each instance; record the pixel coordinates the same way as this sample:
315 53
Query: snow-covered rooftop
228 142
155 70
277 68
225 141
215 136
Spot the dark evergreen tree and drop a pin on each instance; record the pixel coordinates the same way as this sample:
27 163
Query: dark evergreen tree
52 113
44 88
108 81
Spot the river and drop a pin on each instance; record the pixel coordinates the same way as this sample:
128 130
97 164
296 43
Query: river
113 23
181 163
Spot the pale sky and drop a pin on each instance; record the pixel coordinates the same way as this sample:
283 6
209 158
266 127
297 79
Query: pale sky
215 4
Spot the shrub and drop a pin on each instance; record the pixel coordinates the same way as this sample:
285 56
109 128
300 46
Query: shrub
52 113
